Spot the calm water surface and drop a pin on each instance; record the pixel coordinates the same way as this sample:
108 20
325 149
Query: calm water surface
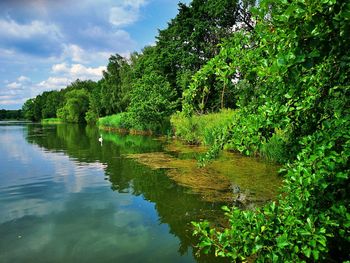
64 197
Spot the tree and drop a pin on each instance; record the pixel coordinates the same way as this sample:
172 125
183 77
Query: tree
192 37
75 107
152 102
95 105
52 102
30 110
114 88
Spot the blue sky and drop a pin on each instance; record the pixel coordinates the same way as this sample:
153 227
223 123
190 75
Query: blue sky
46 44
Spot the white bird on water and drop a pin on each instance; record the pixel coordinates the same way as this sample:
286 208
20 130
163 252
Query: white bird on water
100 139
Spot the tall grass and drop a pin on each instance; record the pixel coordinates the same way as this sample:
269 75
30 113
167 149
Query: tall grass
275 149
113 121
51 121
201 129
210 130
124 122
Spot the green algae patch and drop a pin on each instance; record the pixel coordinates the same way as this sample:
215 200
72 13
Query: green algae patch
181 150
187 173
232 178
258 177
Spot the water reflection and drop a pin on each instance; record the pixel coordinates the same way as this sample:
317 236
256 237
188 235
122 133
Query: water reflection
174 204
55 204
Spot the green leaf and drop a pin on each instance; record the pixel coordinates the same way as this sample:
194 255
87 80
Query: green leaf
282 241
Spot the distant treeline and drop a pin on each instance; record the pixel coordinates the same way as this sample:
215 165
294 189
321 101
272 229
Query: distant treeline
11 114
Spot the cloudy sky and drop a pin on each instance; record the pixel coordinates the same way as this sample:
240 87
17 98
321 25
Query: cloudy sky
46 44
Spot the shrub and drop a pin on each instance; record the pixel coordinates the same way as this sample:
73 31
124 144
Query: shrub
298 63
311 221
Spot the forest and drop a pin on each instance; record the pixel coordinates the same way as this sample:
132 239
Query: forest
10 114
263 78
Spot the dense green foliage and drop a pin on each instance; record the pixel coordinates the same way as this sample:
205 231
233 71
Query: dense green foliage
114 86
294 81
75 106
11 114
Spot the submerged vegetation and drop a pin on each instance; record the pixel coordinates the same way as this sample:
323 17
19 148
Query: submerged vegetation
281 69
222 180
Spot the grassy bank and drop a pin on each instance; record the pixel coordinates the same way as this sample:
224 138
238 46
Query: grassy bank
201 129
119 123
212 130
51 121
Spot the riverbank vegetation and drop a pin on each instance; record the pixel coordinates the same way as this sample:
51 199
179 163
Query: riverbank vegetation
282 70
51 121
201 129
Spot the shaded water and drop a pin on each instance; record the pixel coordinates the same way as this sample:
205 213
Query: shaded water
64 197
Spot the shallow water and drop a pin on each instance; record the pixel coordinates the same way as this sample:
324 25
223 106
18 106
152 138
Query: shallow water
64 197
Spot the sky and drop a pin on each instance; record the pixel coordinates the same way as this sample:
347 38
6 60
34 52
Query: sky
47 44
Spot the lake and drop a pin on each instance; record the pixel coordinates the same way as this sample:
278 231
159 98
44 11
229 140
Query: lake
67 197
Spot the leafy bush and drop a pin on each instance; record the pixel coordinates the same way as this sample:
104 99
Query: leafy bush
91 117
152 101
311 221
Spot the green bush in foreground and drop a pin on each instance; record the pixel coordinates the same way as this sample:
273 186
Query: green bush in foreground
298 62
312 221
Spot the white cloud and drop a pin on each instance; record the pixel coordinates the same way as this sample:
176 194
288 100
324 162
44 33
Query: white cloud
19 84
5 97
5 52
24 79
17 92
77 54
35 38
134 3
122 16
81 70
126 14
12 29
60 68
78 71
54 83
74 52
14 85
109 42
